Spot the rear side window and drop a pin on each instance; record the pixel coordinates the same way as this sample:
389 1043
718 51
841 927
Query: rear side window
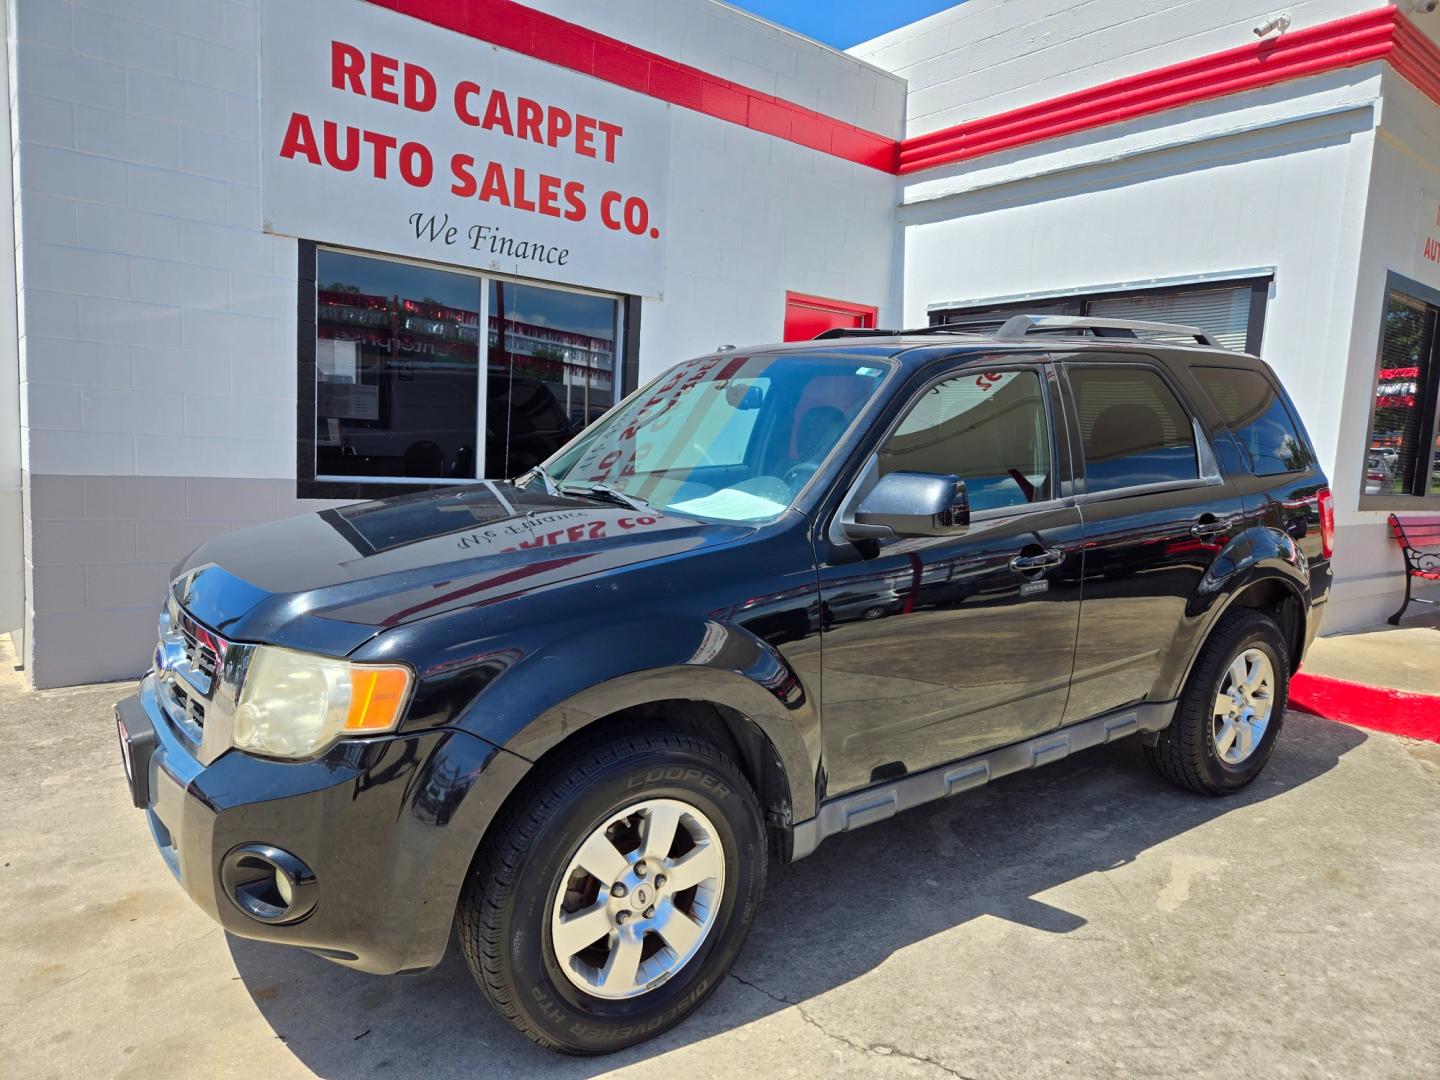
1254 412
1133 429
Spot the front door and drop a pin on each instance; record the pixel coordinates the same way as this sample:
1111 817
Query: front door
935 648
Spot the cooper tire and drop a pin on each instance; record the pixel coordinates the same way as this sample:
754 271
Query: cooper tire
1190 753
526 864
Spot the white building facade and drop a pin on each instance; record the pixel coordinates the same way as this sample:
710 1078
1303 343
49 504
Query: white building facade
269 257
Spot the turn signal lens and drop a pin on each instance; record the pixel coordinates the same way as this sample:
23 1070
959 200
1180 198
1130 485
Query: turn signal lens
376 695
1327 523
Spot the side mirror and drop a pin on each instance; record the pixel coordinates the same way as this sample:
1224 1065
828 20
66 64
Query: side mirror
912 504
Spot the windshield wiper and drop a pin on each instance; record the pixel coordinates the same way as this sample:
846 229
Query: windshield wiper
551 488
604 492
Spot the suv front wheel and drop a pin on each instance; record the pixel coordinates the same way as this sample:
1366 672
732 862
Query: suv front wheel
607 904
1229 715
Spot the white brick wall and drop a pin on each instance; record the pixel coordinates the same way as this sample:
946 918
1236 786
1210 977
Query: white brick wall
988 56
143 270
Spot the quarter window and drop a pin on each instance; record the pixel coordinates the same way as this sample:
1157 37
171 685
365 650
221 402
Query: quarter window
989 429
1257 417
1133 429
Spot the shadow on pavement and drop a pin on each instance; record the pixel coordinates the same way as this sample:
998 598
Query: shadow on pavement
826 920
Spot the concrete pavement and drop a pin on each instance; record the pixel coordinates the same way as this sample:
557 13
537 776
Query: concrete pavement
1401 658
1084 920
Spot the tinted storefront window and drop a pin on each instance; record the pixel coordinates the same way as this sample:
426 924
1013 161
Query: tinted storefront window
551 371
1404 453
396 369
399 355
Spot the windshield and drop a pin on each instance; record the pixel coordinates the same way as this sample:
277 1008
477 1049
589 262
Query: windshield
733 438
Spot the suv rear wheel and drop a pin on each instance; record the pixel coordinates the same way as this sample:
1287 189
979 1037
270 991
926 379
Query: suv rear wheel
607 904
1229 715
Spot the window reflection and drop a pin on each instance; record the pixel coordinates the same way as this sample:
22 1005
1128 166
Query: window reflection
397 359
551 371
1257 417
989 429
396 369
1133 429
1403 453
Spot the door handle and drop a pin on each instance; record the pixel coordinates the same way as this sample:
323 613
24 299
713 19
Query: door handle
1023 564
1209 525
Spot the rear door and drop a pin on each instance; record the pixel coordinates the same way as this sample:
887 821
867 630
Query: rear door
1158 511
1283 481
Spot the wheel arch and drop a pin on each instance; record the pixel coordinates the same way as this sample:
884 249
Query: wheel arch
1277 590
731 730
754 723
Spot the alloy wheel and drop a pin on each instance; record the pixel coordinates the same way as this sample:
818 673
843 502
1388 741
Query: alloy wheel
1243 706
638 898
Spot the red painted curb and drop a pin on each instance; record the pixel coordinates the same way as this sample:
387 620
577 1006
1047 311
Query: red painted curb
1416 716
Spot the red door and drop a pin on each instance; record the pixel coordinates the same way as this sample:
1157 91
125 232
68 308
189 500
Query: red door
806 316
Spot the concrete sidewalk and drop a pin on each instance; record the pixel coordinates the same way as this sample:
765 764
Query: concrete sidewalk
1403 658
1082 920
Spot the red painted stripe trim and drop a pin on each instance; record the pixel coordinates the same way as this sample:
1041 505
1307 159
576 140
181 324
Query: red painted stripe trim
1415 716
1417 58
1342 43
569 45
1381 34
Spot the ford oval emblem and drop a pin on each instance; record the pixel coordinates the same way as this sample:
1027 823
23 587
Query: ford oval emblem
160 662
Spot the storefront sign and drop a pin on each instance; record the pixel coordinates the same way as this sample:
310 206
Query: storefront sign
1427 242
385 133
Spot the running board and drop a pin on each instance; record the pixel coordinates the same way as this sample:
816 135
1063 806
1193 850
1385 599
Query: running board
886 800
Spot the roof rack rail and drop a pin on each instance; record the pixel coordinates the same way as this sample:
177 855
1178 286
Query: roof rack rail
1020 326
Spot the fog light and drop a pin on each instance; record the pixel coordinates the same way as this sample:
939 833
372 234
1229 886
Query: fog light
282 886
269 884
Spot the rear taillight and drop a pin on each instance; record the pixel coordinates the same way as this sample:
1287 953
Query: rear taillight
1327 523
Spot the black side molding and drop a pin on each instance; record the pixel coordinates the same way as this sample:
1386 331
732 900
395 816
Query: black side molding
883 801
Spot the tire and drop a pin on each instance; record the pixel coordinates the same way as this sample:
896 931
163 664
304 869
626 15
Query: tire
1193 752
526 880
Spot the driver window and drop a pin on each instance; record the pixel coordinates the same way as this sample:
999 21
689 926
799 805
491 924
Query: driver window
987 428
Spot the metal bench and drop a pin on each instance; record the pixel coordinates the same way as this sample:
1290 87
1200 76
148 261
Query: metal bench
1420 544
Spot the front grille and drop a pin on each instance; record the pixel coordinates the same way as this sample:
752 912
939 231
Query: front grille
200 655
191 708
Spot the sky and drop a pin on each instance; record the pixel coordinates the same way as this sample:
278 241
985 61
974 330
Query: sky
843 23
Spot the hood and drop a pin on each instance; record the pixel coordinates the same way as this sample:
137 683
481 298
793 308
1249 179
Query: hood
327 582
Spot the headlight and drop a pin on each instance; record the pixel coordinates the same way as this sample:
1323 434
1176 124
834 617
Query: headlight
294 705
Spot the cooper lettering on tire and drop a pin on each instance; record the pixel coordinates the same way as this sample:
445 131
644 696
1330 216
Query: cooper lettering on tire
610 899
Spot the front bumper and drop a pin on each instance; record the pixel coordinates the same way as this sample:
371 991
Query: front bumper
388 825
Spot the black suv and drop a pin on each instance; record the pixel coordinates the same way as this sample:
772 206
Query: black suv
776 594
